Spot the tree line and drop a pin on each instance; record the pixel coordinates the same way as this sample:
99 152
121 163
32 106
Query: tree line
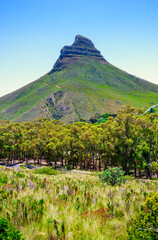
129 140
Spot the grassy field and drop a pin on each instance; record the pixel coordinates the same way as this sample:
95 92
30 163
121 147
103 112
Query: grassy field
69 205
87 87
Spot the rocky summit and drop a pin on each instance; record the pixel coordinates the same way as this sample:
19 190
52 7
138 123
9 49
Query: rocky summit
82 47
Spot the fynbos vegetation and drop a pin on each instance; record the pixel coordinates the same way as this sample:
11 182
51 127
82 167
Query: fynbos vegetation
74 206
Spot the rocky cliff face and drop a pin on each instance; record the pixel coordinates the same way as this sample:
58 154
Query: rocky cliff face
82 47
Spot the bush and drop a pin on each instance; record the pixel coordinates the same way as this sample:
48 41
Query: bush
145 224
8 232
3 179
112 176
68 167
20 175
47 171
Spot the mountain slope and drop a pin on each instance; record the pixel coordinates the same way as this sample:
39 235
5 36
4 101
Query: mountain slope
81 84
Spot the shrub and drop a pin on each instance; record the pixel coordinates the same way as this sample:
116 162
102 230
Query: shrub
3 179
47 171
145 224
23 167
7 231
112 176
69 167
20 175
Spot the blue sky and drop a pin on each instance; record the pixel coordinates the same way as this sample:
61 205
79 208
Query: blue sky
32 33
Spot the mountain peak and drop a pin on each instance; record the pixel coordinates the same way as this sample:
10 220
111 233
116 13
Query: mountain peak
81 85
82 47
82 41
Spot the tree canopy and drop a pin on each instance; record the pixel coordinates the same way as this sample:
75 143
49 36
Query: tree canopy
129 140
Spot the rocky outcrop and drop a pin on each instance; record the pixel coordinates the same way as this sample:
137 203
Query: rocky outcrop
58 105
82 47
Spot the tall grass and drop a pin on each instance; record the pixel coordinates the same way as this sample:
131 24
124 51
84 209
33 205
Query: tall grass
69 205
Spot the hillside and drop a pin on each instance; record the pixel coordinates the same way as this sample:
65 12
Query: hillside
81 84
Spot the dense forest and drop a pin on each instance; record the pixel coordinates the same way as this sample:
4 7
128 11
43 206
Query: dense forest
129 140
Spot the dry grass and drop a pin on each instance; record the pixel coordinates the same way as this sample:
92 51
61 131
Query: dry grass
76 206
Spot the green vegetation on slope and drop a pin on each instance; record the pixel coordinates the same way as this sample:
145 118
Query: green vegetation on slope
90 87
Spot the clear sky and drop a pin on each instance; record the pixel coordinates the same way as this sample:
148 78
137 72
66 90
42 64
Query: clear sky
32 33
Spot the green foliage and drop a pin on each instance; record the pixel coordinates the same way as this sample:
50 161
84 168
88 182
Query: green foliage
154 166
3 194
23 167
145 224
20 175
46 171
3 178
102 118
27 210
152 110
69 167
60 230
112 176
8 232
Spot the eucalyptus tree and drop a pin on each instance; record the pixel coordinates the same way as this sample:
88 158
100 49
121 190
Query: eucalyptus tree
147 149
127 136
